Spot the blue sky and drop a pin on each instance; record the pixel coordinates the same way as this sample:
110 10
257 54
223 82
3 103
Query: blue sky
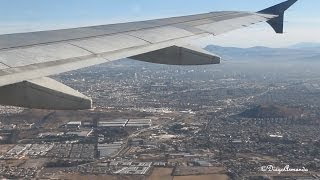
303 19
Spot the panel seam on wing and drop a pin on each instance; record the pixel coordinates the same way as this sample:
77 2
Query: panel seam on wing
82 48
93 53
139 38
5 65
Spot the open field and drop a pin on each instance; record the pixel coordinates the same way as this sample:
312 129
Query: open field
34 163
12 162
161 174
203 177
185 171
217 173
257 157
99 177
5 147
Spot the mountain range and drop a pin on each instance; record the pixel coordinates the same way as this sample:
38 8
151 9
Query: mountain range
305 45
302 51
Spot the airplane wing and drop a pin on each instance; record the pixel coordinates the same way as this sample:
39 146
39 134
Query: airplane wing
27 58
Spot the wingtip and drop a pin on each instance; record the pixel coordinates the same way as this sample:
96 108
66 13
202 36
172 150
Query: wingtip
279 8
277 22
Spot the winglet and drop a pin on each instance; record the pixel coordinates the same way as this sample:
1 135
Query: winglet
279 9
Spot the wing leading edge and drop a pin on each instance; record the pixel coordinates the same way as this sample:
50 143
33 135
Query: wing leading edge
27 57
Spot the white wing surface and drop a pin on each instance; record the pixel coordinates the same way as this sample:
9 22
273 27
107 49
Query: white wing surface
26 58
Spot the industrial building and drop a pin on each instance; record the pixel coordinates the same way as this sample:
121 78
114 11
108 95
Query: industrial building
107 150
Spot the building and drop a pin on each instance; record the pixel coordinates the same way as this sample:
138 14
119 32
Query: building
143 123
73 124
113 123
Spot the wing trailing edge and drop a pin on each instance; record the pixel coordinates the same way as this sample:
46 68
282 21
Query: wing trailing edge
43 93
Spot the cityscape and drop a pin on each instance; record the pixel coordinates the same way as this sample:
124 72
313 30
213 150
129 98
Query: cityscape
157 122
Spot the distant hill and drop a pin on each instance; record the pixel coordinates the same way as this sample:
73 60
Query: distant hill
265 53
305 45
270 111
312 58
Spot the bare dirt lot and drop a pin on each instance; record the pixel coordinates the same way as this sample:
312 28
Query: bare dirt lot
203 177
5 147
161 174
217 173
12 162
34 163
